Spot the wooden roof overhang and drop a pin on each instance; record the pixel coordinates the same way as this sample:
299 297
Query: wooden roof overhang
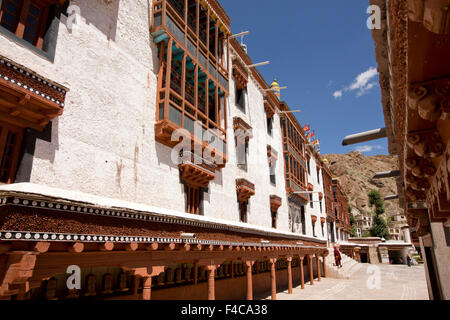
245 189
28 100
218 13
275 203
64 232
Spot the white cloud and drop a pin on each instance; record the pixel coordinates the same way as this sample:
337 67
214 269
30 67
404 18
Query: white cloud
368 148
362 84
337 94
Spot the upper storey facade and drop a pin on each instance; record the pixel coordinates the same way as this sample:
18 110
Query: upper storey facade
86 131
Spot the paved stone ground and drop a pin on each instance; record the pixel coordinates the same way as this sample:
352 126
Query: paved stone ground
397 282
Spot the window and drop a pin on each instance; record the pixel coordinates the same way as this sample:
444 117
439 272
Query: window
194 197
10 143
303 220
274 220
311 203
27 19
240 98
242 154
320 203
243 206
273 179
318 176
309 168
269 126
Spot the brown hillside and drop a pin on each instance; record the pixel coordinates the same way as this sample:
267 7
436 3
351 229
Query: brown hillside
355 172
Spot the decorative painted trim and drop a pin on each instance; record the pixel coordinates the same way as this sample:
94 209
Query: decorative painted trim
133 215
7 235
32 76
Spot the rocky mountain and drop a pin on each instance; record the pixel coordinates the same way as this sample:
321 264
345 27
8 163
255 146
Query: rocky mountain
355 172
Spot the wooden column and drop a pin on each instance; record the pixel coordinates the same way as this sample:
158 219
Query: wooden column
302 273
211 282
318 268
249 265
311 270
324 266
147 290
146 274
273 278
289 269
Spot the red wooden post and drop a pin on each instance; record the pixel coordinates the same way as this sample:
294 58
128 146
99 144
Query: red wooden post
249 265
273 277
289 269
311 270
302 273
211 282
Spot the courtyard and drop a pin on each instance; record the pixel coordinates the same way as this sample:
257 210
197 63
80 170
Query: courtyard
396 282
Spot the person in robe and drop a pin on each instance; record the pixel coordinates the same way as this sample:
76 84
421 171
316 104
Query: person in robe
337 257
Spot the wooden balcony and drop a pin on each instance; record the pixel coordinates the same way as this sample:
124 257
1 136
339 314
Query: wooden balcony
28 100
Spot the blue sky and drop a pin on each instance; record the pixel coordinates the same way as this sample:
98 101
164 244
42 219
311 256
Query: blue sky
324 52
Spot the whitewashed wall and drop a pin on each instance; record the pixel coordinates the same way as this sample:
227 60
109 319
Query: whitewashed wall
318 187
104 143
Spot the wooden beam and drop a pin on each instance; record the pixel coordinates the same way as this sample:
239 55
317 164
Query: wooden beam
77 247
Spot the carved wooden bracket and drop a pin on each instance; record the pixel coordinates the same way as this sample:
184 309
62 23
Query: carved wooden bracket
420 168
310 187
240 75
270 110
163 132
434 14
438 196
431 99
245 189
426 143
275 203
16 269
196 176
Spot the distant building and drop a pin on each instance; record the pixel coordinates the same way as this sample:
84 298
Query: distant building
87 117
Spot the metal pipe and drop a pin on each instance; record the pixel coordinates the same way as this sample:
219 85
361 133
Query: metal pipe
392 197
365 136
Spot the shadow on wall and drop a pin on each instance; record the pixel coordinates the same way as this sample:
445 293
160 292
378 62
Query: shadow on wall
102 14
164 154
46 151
